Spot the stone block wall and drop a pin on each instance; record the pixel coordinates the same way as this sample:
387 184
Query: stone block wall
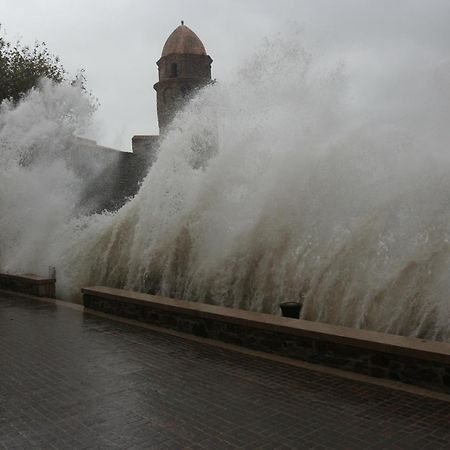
145 144
110 176
28 284
409 360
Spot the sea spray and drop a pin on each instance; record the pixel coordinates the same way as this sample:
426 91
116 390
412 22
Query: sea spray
298 195
39 186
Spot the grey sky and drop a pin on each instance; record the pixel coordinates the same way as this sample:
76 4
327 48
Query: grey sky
119 41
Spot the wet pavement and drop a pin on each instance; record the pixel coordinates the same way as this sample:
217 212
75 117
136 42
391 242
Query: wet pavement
74 380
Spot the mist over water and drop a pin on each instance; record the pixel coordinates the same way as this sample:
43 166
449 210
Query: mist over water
276 186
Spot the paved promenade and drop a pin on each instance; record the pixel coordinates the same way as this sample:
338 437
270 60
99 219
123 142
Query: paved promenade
73 380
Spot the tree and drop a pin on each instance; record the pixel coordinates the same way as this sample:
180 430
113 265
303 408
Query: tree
21 68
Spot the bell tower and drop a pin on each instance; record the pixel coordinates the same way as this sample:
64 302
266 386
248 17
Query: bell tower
183 67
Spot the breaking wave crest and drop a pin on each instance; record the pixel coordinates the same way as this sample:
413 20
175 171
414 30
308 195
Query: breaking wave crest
268 188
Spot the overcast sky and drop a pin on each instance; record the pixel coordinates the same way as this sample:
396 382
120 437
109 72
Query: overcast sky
119 41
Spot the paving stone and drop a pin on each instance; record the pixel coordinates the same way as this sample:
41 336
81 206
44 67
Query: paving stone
74 380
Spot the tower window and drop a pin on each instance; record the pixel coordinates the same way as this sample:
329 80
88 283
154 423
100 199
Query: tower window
173 70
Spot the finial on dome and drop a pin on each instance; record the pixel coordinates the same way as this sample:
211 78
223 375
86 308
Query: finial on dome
182 22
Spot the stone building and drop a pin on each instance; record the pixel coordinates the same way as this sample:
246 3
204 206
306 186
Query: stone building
183 68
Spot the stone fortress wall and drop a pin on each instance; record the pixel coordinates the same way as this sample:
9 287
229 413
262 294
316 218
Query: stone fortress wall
112 176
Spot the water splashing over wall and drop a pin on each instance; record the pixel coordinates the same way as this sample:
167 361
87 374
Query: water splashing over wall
272 188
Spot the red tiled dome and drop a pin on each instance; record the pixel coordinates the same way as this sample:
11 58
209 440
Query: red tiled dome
183 41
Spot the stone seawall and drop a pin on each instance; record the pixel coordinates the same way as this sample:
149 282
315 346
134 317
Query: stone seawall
28 284
406 359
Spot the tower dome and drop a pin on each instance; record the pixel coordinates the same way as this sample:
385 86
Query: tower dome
183 68
183 41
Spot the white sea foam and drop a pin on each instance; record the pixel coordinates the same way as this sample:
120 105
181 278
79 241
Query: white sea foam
272 187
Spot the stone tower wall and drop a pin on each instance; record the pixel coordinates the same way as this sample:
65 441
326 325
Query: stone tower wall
179 77
188 66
